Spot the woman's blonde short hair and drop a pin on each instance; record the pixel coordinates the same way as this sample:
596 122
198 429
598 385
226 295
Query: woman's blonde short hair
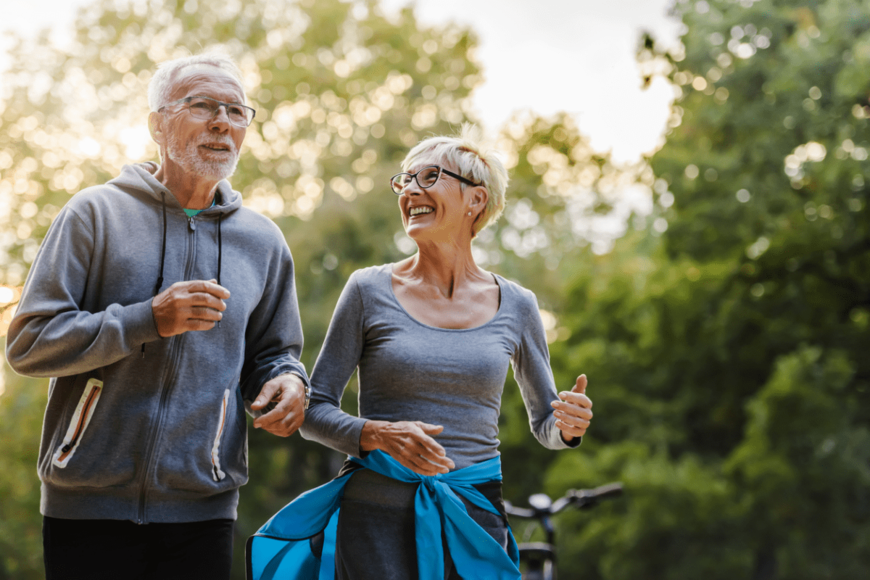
473 160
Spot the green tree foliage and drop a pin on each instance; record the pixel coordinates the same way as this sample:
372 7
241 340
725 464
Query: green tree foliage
730 341
341 92
21 404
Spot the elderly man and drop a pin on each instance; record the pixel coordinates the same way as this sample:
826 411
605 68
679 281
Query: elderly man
162 309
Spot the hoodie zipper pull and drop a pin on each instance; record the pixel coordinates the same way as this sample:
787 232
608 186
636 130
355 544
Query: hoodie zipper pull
191 223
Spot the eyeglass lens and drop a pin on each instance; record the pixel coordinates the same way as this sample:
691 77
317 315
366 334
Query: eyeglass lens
426 177
203 108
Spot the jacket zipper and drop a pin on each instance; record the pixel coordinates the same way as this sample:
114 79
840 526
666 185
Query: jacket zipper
168 379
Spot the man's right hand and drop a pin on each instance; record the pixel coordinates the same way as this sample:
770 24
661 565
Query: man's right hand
192 305
408 442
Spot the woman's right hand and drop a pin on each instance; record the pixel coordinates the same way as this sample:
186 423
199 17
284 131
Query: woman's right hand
408 442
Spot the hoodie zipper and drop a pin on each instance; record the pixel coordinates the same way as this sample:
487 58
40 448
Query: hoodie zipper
168 380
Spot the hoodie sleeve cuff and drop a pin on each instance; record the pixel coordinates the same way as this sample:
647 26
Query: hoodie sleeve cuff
556 440
140 324
352 432
290 367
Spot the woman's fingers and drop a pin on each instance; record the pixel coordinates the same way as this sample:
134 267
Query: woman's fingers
577 395
428 428
570 429
579 399
412 445
572 420
427 454
436 457
415 462
431 449
572 415
423 467
573 412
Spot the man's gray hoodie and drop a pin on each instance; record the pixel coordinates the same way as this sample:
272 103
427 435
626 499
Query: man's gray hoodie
140 427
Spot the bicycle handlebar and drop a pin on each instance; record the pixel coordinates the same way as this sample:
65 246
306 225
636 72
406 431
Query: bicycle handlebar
608 491
519 512
583 498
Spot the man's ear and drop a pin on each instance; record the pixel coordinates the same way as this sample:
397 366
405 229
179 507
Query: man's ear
155 127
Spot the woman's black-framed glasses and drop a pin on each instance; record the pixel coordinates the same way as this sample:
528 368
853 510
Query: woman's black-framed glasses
207 108
426 178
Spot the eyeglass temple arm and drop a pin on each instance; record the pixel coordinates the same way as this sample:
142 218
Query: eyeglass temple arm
459 177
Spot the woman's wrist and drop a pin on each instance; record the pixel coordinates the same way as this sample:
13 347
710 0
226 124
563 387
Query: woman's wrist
369 438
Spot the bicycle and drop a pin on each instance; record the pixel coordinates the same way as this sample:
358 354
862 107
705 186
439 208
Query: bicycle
540 557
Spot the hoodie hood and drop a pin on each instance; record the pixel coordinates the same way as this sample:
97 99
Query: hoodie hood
139 177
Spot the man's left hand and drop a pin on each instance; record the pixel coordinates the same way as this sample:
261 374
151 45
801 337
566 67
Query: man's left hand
288 391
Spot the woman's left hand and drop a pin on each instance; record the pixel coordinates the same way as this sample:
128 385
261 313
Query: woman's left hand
574 412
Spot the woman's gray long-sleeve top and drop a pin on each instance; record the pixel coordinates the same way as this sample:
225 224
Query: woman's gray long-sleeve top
409 371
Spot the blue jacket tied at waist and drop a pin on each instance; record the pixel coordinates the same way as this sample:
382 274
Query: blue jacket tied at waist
281 549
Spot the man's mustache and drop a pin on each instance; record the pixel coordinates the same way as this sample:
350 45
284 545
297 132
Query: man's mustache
207 139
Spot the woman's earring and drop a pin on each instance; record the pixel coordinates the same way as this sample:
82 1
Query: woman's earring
469 213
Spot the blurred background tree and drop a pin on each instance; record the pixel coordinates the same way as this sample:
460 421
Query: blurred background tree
730 339
725 332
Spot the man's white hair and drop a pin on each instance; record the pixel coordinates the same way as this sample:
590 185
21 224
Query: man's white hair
164 80
467 153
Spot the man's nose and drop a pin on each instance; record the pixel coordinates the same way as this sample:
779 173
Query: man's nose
220 119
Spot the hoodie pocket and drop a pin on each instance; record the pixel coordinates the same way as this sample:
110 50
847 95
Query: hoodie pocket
216 472
79 423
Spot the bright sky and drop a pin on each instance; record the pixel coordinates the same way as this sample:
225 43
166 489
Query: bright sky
540 55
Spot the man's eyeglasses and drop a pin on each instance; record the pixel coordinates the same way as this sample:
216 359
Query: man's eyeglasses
207 108
426 178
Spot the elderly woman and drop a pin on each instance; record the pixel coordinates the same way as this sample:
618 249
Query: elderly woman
432 337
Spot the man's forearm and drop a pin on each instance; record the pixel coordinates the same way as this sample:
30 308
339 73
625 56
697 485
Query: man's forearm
76 342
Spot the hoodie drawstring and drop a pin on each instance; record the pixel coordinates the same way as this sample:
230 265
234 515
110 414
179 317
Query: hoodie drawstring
162 249
220 248
220 255
159 283
162 256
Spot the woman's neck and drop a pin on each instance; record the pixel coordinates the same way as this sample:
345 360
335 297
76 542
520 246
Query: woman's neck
444 266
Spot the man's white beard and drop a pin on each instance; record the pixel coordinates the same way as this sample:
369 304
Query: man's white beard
189 158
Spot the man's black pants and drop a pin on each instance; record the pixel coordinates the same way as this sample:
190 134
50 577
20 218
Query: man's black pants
114 550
